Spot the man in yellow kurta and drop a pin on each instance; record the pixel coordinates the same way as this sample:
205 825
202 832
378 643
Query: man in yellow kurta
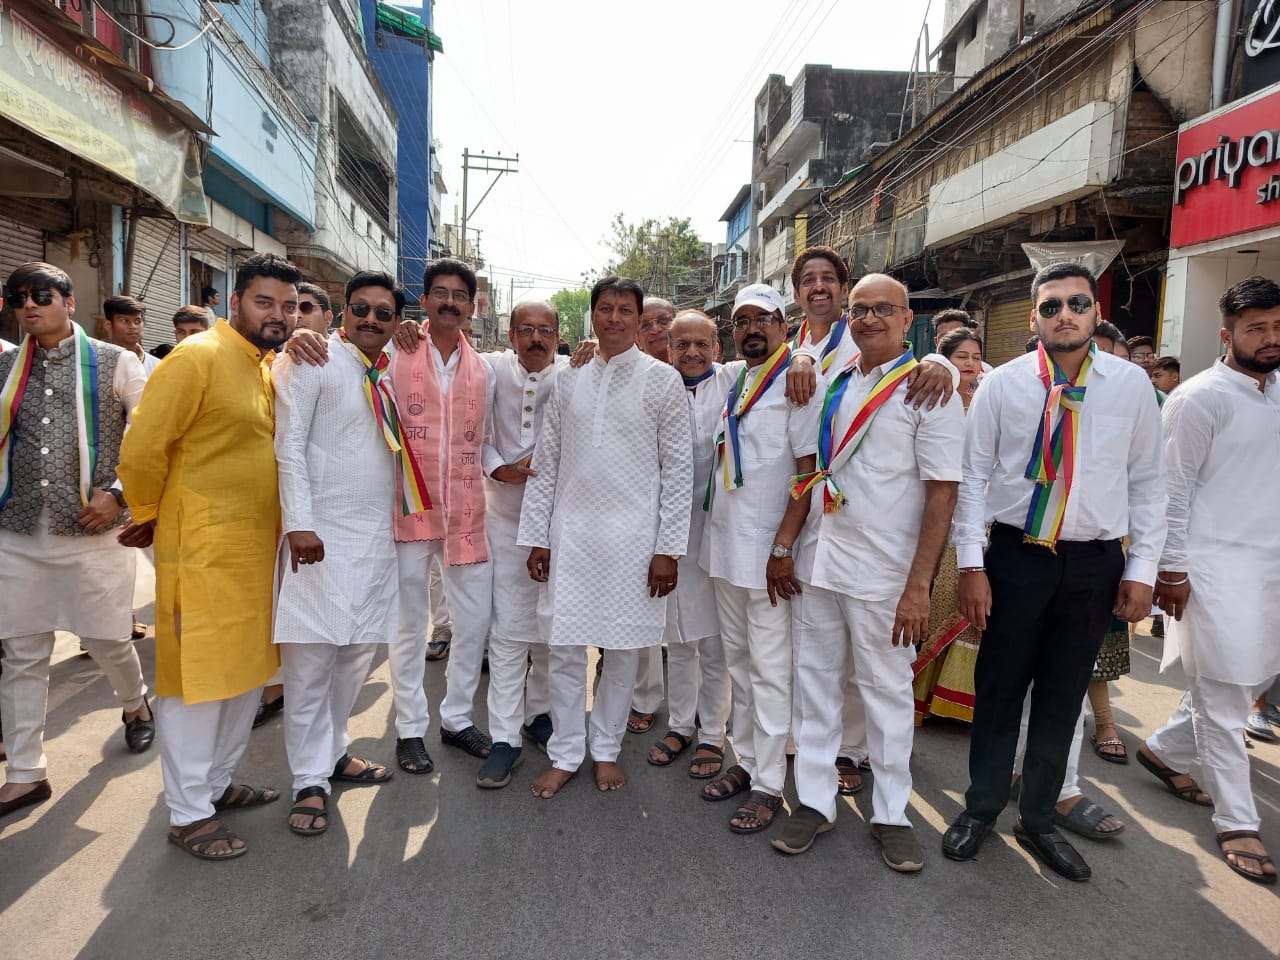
198 468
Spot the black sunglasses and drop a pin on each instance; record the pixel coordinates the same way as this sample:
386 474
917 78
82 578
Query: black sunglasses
18 300
1080 303
361 310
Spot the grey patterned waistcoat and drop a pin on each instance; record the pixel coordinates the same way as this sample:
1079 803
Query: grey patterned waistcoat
46 459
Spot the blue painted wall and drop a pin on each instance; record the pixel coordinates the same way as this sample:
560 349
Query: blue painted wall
404 67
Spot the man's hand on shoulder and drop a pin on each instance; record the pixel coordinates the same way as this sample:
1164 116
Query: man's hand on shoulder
408 335
929 382
307 346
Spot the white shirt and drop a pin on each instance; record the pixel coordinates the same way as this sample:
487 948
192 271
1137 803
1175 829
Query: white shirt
1222 453
743 522
865 548
149 361
615 475
515 415
337 479
847 349
1119 485
6 345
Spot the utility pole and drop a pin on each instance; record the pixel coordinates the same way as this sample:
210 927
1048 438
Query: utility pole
482 163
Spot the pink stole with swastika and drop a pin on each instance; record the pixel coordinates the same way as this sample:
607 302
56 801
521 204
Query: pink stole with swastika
457 485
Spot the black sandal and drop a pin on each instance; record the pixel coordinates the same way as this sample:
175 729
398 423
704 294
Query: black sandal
412 756
697 761
638 722
373 773
1261 859
668 754
754 808
198 847
315 813
845 767
237 796
1190 793
732 782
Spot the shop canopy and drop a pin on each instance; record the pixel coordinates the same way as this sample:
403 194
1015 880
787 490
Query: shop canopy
410 25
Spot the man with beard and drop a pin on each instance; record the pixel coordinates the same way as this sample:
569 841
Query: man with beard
698 680
444 391
1062 452
198 467
340 450
1219 566
607 518
523 380
654 338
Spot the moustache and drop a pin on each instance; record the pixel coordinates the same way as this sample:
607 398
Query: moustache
538 347
368 328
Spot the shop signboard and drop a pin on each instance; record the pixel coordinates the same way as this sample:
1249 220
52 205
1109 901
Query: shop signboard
1260 65
1227 177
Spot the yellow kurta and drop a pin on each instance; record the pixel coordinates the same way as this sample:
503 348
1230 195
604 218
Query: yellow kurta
199 459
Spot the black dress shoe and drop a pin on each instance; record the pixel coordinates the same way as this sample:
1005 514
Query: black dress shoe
267 709
40 794
139 734
1054 852
964 837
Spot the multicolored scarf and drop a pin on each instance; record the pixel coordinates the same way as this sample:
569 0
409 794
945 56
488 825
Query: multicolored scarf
413 488
1053 456
834 336
728 446
832 456
15 385
444 432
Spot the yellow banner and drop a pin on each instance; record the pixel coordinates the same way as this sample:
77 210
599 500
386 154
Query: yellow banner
64 96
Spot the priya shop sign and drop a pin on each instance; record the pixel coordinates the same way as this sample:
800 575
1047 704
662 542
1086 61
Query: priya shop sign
1227 179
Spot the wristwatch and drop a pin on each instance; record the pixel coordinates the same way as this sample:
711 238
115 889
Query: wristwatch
779 552
119 495
674 557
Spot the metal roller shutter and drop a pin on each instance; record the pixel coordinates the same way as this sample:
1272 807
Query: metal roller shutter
1007 330
19 243
157 276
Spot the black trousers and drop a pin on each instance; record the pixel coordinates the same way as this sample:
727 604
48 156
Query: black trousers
1049 614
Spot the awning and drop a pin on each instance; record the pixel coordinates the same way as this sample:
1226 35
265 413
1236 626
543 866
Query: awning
408 25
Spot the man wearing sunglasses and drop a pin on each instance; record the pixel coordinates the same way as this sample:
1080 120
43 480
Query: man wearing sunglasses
1063 458
315 312
523 379
337 445
65 400
444 391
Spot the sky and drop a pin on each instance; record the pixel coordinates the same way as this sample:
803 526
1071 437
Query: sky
643 109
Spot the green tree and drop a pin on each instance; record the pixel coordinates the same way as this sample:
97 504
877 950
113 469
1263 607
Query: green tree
666 257
572 305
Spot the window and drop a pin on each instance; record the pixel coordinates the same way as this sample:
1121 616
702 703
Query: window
360 170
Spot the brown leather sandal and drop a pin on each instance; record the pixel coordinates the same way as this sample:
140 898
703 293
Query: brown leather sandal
760 807
730 783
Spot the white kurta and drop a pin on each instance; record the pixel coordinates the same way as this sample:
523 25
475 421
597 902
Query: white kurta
1222 457
744 521
615 479
338 479
695 597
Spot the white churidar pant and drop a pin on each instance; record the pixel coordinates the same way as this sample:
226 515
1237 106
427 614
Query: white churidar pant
200 745
757 651
698 687
1071 778
853 742
469 588
831 629
1207 730
435 586
537 696
649 690
24 694
567 674
323 681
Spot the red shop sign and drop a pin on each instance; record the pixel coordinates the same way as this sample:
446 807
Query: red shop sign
1227 179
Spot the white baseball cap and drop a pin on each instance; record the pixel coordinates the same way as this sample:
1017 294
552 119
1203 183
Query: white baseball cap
760 295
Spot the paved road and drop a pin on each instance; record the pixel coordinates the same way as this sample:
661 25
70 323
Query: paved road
432 867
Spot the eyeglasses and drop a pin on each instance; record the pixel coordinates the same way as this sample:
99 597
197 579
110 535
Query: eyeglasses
460 297
310 306
762 321
41 298
1080 303
361 310
528 330
652 322
882 310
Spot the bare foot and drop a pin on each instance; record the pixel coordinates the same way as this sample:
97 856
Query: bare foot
12 791
1248 864
547 785
609 776
1107 824
304 821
